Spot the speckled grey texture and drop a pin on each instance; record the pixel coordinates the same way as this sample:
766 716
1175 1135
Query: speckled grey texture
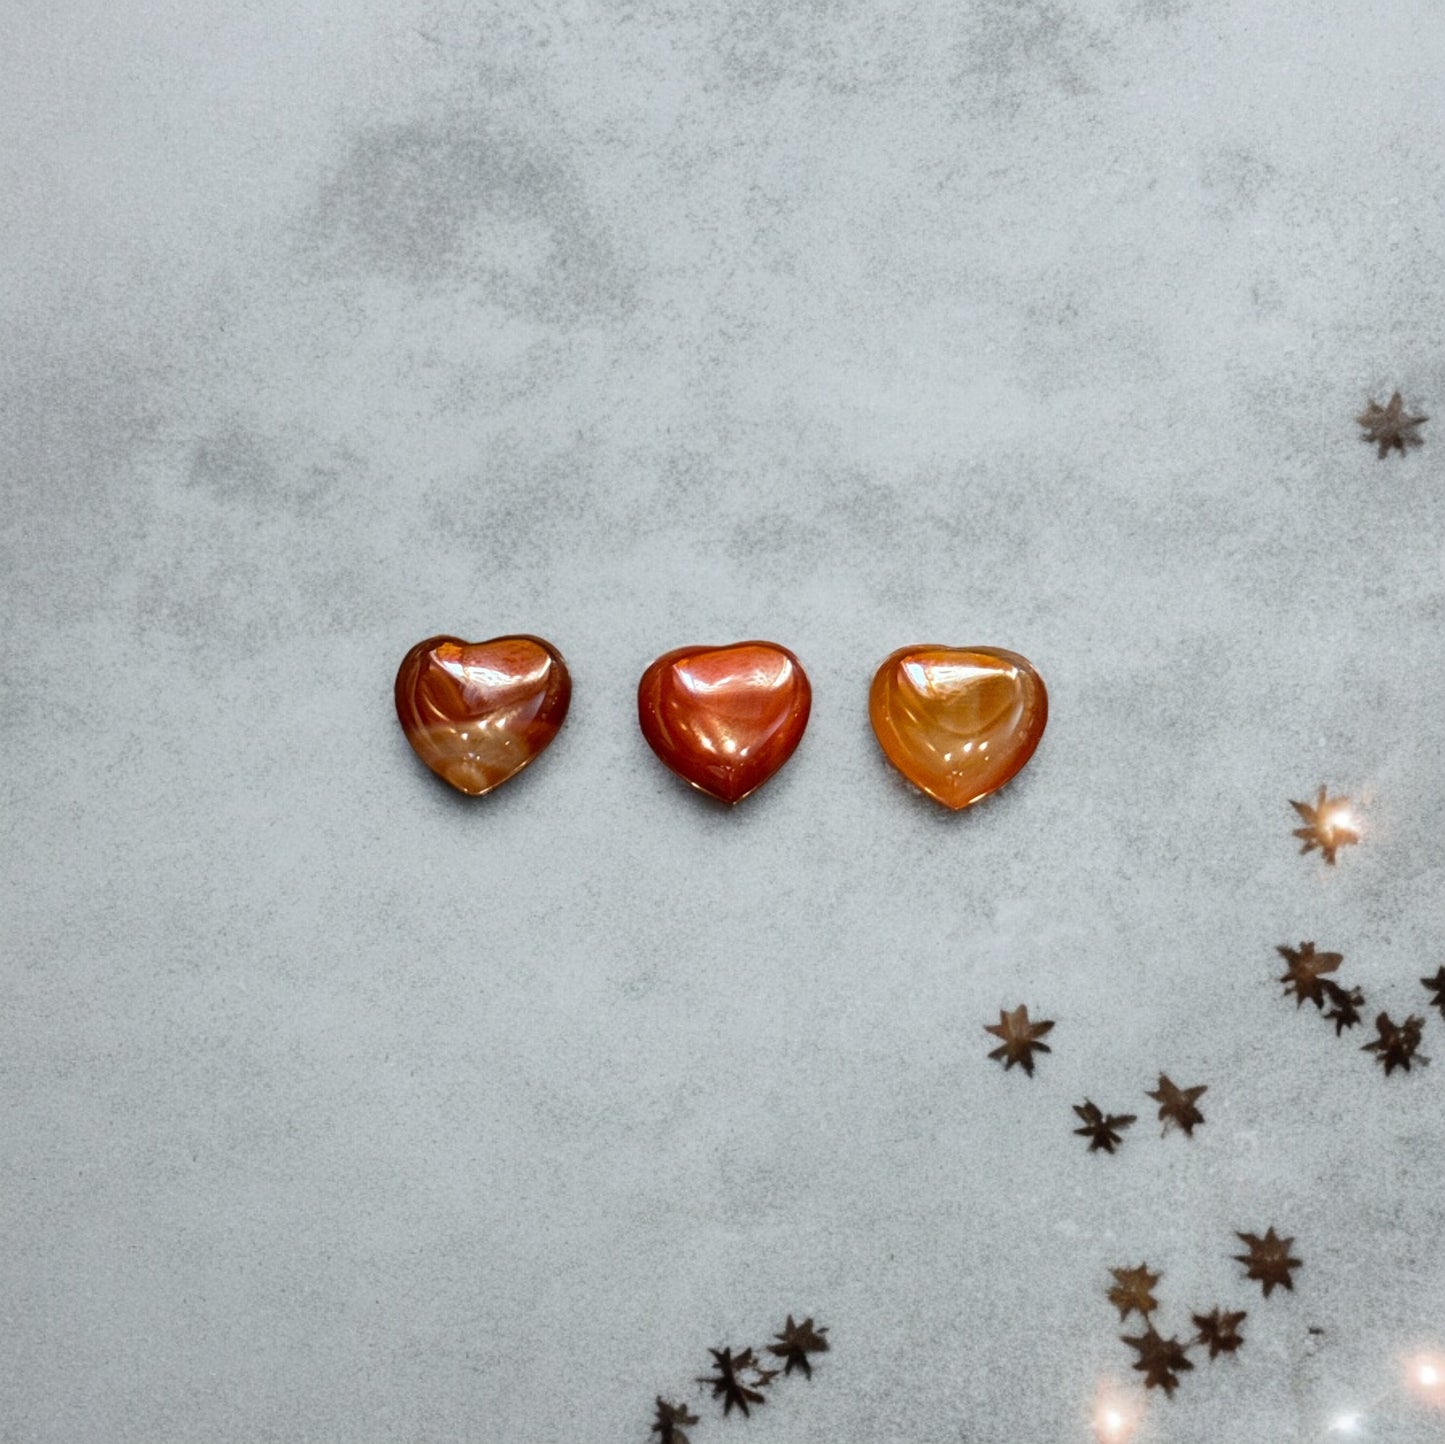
338 1108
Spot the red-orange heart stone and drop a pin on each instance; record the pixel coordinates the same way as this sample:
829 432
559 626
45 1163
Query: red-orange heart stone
478 712
725 718
958 722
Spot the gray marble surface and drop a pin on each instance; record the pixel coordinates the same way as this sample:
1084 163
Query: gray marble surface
337 1108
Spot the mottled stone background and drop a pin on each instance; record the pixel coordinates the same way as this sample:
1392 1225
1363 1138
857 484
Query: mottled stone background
336 1108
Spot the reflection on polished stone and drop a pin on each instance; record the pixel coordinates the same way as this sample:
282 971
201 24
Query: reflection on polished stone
478 712
957 722
725 718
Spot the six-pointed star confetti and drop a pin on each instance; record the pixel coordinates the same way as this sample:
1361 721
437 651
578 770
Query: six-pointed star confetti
728 1383
1268 1260
1133 1291
1177 1105
1305 970
1102 1131
796 1342
1398 1044
1345 1005
1160 1360
1020 1038
1219 1331
1391 427
1328 825
668 1424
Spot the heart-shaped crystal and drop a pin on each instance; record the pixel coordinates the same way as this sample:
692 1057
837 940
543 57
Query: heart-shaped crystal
478 712
957 722
725 718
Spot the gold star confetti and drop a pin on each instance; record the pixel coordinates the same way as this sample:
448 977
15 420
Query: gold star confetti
1101 1129
1020 1036
1268 1260
729 1384
1390 427
1133 1292
1398 1044
669 1421
1219 1331
1160 1360
1177 1105
1328 825
796 1342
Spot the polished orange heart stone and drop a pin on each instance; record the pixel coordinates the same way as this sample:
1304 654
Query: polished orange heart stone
478 712
725 718
957 722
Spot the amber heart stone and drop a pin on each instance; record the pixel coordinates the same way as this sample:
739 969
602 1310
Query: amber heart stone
725 718
958 722
478 712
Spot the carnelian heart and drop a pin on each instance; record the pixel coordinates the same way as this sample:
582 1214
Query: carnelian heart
725 718
478 712
958 721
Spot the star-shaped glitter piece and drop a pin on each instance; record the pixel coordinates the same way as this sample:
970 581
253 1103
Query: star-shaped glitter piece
1219 1331
1160 1360
1327 825
1390 427
1398 1044
1133 1292
796 1342
669 1421
1268 1260
1102 1130
727 1383
1306 968
1177 1105
1020 1038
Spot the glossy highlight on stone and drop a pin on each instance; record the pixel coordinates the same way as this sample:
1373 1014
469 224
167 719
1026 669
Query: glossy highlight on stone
725 718
478 712
957 722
